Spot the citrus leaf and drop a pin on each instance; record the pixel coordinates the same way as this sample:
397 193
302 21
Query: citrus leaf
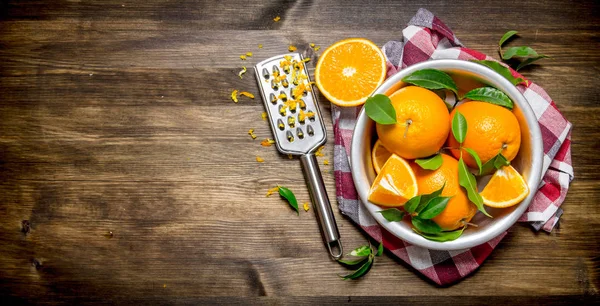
522 51
502 70
431 79
475 157
505 37
425 198
459 127
432 163
364 250
392 214
500 161
488 167
467 180
361 271
354 262
530 61
411 205
491 95
380 109
426 226
380 249
434 207
443 236
290 197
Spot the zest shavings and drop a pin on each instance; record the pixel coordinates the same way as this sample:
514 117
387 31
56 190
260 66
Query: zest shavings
249 54
259 159
242 71
319 151
251 133
326 162
292 48
264 116
306 206
272 191
247 94
234 96
243 57
267 142
276 19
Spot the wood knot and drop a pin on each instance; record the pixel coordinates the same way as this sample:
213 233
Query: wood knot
36 263
25 227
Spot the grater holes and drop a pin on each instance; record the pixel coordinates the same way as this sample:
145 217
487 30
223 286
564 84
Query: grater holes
265 73
300 133
273 98
289 136
291 121
274 85
285 83
302 104
280 124
282 96
310 130
282 110
275 70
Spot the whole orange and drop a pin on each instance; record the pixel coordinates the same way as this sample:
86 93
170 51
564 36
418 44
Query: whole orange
491 129
421 127
459 210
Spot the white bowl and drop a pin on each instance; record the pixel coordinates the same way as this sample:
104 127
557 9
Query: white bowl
528 161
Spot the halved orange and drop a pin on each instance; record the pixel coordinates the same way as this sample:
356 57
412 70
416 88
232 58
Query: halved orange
349 71
506 188
379 155
395 184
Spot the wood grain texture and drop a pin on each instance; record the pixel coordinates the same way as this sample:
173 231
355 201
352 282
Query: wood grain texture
115 117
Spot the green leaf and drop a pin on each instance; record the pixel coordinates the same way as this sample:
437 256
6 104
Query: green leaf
392 214
425 198
491 95
361 271
380 109
500 161
364 250
443 236
488 167
459 127
431 79
411 205
434 207
530 61
467 180
522 51
505 37
426 226
353 262
502 70
432 163
380 249
290 197
475 157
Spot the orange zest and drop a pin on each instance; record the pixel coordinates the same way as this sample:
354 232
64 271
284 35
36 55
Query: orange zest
247 94
272 190
259 159
267 142
349 71
395 184
506 188
276 19
251 133
379 155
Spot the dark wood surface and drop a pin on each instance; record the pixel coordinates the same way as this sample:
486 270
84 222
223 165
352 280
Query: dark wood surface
115 116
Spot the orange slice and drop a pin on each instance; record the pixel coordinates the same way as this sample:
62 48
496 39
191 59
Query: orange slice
506 188
349 71
395 184
379 155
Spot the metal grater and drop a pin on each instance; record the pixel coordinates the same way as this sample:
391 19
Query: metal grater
298 132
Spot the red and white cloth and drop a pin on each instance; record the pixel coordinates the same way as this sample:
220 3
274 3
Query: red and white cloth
426 37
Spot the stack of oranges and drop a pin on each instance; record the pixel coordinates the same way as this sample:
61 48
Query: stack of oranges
423 129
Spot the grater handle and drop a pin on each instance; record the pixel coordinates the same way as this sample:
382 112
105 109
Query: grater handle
320 200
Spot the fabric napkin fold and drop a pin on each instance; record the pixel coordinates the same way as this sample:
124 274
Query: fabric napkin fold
427 37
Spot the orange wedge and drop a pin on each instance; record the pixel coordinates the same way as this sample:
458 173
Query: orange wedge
349 71
395 184
506 188
379 155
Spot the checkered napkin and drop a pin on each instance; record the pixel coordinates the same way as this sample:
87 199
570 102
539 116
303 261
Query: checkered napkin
425 38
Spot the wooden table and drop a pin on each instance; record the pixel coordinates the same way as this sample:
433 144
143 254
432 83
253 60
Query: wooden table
116 117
